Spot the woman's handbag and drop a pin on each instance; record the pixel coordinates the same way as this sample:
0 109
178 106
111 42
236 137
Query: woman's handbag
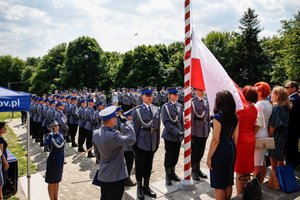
265 143
95 179
252 189
287 179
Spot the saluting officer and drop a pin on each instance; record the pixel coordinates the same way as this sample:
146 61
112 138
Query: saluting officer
73 121
200 130
61 119
89 125
110 144
172 118
146 120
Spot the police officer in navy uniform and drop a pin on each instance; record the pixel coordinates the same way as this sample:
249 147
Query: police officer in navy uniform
128 151
172 118
51 111
110 144
146 120
81 124
61 119
100 106
90 125
200 130
40 120
73 120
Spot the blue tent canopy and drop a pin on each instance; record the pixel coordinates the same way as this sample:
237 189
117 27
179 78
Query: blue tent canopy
14 101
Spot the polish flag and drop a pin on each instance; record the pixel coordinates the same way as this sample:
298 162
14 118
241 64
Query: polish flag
209 75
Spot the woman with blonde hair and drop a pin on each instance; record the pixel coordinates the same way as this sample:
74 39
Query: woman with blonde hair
264 111
278 128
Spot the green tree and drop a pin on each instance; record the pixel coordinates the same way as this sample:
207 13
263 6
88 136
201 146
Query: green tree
84 66
290 33
47 75
250 63
10 71
222 45
113 61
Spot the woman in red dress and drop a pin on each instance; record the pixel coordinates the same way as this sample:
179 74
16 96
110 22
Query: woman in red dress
244 164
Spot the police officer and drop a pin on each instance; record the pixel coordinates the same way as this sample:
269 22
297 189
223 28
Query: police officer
172 118
110 144
146 120
81 124
61 119
163 96
200 130
89 125
51 111
44 123
128 151
40 130
73 121
100 106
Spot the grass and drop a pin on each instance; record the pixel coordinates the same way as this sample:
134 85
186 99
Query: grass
16 148
19 152
7 116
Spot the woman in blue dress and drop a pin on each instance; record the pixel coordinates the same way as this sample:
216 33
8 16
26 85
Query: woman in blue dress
54 143
222 150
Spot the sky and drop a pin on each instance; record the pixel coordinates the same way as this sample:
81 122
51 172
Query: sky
29 28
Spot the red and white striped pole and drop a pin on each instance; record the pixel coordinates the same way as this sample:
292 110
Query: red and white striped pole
187 183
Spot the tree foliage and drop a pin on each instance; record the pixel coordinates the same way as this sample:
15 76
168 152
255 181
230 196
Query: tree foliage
82 63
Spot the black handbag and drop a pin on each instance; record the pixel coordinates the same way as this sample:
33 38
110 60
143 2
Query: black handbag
252 189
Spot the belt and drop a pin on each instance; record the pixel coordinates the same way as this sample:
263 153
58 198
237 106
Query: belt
151 130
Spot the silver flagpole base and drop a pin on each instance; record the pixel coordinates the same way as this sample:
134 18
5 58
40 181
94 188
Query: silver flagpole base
187 185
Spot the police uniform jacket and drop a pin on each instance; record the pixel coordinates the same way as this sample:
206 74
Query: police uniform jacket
45 109
147 127
89 116
163 96
110 145
62 120
51 114
82 122
40 113
74 115
200 117
173 121
34 111
98 119
155 97
67 110
122 128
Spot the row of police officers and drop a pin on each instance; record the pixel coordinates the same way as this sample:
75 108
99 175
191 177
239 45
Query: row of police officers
140 133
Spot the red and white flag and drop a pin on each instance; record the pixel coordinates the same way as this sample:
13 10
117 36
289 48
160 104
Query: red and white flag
209 75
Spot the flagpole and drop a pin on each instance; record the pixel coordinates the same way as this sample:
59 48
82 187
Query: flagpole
187 183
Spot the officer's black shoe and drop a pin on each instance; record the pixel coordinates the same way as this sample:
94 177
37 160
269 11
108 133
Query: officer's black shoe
174 176
74 144
195 176
168 176
147 189
81 149
201 174
149 192
129 182
91 155
140 191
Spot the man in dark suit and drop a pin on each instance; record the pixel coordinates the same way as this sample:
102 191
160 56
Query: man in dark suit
292 154
200 130
146 122
172 118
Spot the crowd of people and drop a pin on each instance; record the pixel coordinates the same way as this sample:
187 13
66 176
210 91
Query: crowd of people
126 126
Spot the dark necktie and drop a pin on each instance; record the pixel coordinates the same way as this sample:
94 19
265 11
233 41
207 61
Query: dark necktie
175 107
150 110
